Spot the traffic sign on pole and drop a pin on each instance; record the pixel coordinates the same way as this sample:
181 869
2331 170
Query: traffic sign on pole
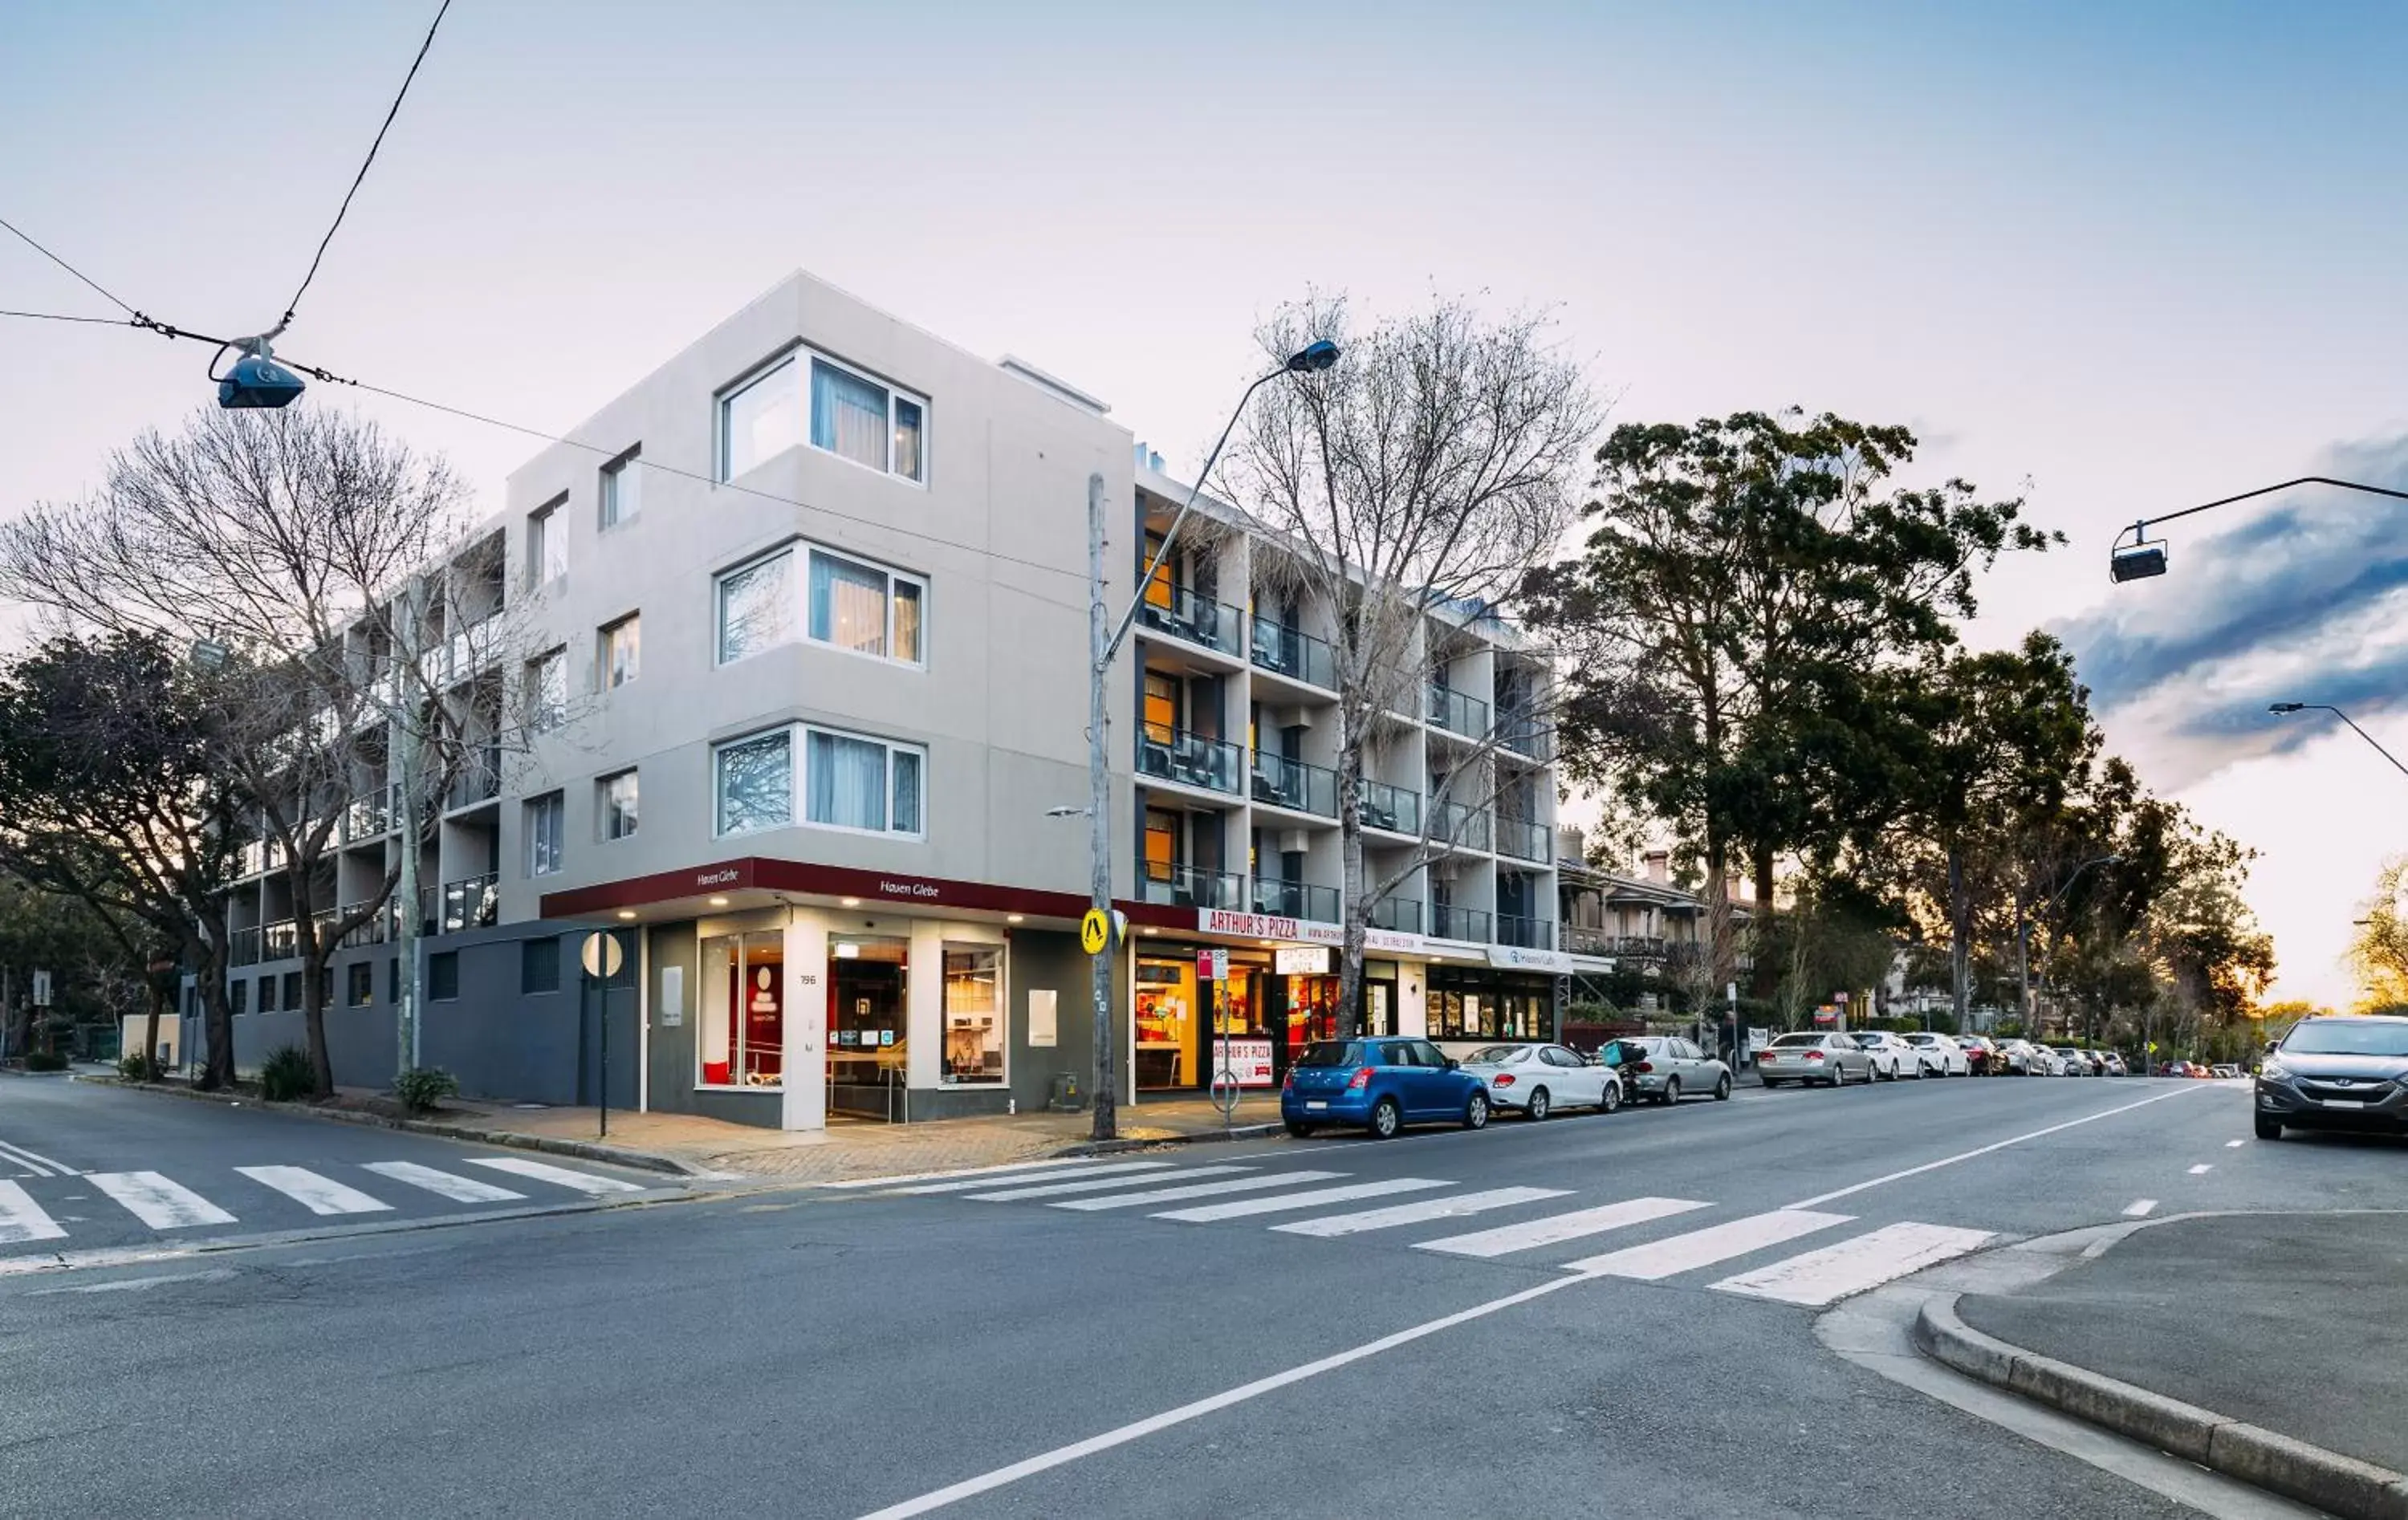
1095 931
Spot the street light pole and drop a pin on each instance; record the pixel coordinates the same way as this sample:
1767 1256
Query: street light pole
2142 558
2287 707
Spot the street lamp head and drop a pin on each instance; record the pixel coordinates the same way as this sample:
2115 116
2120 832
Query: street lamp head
2284 707
1312 358
2137 561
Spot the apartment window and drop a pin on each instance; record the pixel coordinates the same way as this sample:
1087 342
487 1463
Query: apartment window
239 998
622 648
546 545
547 691
756 782
756 606
864 783
538 966
760 418
546 833
865 421
360 983
443 976
865 607
622 494
292 990
268 994
618 805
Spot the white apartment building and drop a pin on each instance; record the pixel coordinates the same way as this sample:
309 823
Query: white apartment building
808 637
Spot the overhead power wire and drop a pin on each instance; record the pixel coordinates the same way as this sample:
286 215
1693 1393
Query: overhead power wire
71 269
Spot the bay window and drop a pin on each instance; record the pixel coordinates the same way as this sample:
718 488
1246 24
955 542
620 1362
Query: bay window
865 607
760 418
860 420
874 786
756 783
756 607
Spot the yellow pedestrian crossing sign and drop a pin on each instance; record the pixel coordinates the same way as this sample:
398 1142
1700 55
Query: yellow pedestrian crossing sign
1095 931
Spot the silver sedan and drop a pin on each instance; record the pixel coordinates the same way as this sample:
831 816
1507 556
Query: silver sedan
1829 1060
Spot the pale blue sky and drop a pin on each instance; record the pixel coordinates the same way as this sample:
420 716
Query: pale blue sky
2137 255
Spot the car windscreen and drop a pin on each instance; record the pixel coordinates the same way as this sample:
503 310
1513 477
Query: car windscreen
1799 1040
2348 1037
1326 1052
1869 1041
1498 1055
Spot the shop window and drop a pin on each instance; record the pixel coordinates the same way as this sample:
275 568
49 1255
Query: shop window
743 1041
973 1013
1164 1040
868 979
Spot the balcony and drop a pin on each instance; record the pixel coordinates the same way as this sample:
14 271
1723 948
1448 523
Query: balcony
370 933
1584 939
1524 733
368 818
1525 841
1466 828
254 857
1295 899
1174 755
1187 886
479 780
1526 933
1467 925
1295 785
1391 808
242 947
1293 654
281 941
1183 614
1455 712
1399 915
428 923
472 903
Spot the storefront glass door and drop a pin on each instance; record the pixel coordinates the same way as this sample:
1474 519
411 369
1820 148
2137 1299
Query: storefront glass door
867 979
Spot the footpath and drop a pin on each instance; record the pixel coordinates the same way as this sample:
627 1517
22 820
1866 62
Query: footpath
2268 1347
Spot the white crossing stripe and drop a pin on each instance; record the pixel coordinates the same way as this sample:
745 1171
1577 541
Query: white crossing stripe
1661 1259
1817 1277
583 1182
1419 1212
996 1171
2201 1169
1241 1208
1199 1190
1115 1169
158 1202
319 1194
21 1219
1556 1228
40 1165
1092 1184
449 1185
2140 1207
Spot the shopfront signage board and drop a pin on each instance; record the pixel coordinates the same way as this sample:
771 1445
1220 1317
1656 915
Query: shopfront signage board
1303 960
1250 1062
1516 958
1272 926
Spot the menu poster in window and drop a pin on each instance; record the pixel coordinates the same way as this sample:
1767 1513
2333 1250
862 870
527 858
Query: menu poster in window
1043 1019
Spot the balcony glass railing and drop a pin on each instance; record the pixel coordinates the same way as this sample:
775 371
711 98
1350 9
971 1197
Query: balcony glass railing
1181 613
1295 899
1294 784
242 948
1527 933
472 903
1187 886
478 780
368 817
1174 755
1391 808
369 933
1469 924
1523 840
1293 654
1525 733
1455 712
1466 828
281 941
1401 915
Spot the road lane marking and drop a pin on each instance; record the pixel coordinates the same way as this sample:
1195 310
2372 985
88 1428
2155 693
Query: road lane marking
583 1182
1986 1150
1200 1190
2201 1169
1045 1179
21 1219
2140 1207
1668 1257
2234 1145
42 1166
1852 1267
1418 1213
1208 1213
1057 1163
1138 1429
1094 1184
319 1194
447 1185
158 1202
1556 1228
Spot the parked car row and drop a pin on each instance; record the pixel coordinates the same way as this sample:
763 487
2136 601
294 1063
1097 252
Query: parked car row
1834 1060
1382 1084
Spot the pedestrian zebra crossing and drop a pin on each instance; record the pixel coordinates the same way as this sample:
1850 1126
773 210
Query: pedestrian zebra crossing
265 1195
1557 1222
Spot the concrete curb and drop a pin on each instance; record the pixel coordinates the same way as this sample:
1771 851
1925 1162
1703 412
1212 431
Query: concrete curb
2343 1485
1209 1137
616 1156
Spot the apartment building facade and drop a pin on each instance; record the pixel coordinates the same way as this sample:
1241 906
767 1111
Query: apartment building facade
803 652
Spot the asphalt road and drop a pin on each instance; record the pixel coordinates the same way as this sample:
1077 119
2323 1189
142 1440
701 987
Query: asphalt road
851 1351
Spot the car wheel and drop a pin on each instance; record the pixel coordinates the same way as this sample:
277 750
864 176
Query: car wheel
1671 1090
1475 1113
1611 1100
1722 1088
2269 1128
1769 1084
1387 1119
1538 1104
1839 1077
1299 1129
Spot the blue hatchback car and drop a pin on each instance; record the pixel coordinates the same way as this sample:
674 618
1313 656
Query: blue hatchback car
1380 1084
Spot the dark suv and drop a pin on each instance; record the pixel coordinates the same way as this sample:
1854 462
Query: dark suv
2336 1073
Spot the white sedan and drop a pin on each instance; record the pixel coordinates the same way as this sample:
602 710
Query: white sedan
1891 1057
1941 1055
1539 1079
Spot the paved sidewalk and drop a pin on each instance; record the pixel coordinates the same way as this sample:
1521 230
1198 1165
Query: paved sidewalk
2297 1322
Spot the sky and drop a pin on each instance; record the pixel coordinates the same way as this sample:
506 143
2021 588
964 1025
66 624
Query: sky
2116 260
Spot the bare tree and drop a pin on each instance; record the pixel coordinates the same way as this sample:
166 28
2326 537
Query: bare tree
1409 491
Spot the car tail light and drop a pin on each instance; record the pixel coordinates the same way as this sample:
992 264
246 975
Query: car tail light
1645 1065
1813 1055
1288 1081
1504 1079
1361 1079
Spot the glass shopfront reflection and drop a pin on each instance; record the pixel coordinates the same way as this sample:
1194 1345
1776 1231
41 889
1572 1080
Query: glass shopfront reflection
867 977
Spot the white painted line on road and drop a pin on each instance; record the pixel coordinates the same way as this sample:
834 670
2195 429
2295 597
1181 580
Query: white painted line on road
1115 1169
21 1219
1660 1260
2234 1145
1314 1199
158 1202
583 1182
447 1185
319 1194
1837 1271
1138 1429
1094 1184
1200 1190
136 1285
2201 1169
1420 1213
42 1166
1556 1228
1986 1150
964 1171
2140 1207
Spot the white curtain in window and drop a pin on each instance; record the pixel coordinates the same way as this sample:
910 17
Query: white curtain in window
756 783
849 415
848 605
848 781
756 607
907 439
907 622
906 792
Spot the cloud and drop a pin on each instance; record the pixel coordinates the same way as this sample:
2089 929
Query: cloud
2304 601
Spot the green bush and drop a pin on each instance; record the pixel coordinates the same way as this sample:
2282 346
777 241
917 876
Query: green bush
286 1075
136 1066
45 1061
421 1087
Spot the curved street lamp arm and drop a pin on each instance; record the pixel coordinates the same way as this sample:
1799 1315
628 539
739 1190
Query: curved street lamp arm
2363 734
2138 530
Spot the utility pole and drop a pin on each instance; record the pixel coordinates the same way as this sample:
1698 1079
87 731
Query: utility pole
1105 1103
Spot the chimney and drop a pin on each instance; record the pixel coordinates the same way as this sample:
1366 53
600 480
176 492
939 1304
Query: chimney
1659 865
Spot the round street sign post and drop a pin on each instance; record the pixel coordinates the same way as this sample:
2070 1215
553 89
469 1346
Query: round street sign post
1095 931
602 956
